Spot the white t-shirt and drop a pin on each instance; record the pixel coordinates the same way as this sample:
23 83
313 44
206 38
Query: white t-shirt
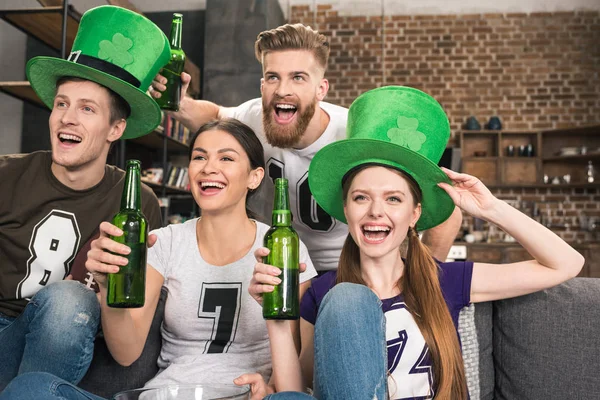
324 236
213 330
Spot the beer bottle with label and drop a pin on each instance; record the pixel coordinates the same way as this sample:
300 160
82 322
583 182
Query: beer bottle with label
126 288
282 241
169 99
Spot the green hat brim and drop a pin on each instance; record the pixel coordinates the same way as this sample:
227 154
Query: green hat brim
333 162
44 72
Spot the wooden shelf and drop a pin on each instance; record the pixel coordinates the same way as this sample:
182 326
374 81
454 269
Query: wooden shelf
507 132
156 139
575 157
170 189
22 90
577 130
518 160
582 185
473 158
501 171
44 23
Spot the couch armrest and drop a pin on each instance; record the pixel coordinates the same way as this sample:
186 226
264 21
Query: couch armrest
475 331
547 344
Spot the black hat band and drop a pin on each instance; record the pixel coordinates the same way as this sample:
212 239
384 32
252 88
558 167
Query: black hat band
104 66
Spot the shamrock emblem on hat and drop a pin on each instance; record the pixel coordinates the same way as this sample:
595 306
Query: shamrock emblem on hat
117 50
406 134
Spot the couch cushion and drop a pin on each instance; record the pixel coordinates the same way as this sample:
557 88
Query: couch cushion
547 344
105 377
475 330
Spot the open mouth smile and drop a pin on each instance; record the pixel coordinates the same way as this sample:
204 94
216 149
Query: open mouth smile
211 188
68 138
375 234
284 112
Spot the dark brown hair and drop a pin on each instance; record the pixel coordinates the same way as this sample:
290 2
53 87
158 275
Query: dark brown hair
423 297
293 37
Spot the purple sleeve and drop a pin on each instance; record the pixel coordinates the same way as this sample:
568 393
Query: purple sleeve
308 306
455 280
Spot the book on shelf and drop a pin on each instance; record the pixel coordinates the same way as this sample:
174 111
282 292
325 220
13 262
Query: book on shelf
161 127
176 176
153 175
174 129
171 176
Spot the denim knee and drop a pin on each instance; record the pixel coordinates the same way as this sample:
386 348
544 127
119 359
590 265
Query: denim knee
43 385
32 385
350 331
349 298
65 305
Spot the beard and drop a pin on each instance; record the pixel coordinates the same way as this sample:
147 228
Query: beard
286 136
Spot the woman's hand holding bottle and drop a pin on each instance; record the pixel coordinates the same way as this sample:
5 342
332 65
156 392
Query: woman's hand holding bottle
104 256
265 277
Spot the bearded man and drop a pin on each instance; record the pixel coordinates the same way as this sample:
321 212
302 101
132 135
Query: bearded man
294 122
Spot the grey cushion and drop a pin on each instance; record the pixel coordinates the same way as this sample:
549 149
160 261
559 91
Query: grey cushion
547 344
106 377
475 330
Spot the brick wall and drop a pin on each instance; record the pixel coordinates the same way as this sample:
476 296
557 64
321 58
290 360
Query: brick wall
539 70
535 71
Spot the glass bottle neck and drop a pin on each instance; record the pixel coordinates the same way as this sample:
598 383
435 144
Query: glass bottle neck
282 218
132 191
175 36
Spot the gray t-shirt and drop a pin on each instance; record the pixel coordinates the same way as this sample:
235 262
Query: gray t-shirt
213 330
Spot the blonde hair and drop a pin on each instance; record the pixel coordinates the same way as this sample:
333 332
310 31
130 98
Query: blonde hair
293 37
423 297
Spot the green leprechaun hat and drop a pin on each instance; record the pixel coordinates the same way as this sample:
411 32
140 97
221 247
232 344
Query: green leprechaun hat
394 126
116 48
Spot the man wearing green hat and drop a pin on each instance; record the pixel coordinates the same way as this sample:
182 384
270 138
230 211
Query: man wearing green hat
54 201
294 122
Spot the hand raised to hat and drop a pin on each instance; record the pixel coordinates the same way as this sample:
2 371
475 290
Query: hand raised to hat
469 193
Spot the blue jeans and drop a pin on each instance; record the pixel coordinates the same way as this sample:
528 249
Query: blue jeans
350 347
43 386
54 333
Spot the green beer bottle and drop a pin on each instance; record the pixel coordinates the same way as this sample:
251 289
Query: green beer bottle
126 288
282 241
169 99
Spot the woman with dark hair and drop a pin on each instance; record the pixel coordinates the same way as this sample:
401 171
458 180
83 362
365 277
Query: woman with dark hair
212 331
383 326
